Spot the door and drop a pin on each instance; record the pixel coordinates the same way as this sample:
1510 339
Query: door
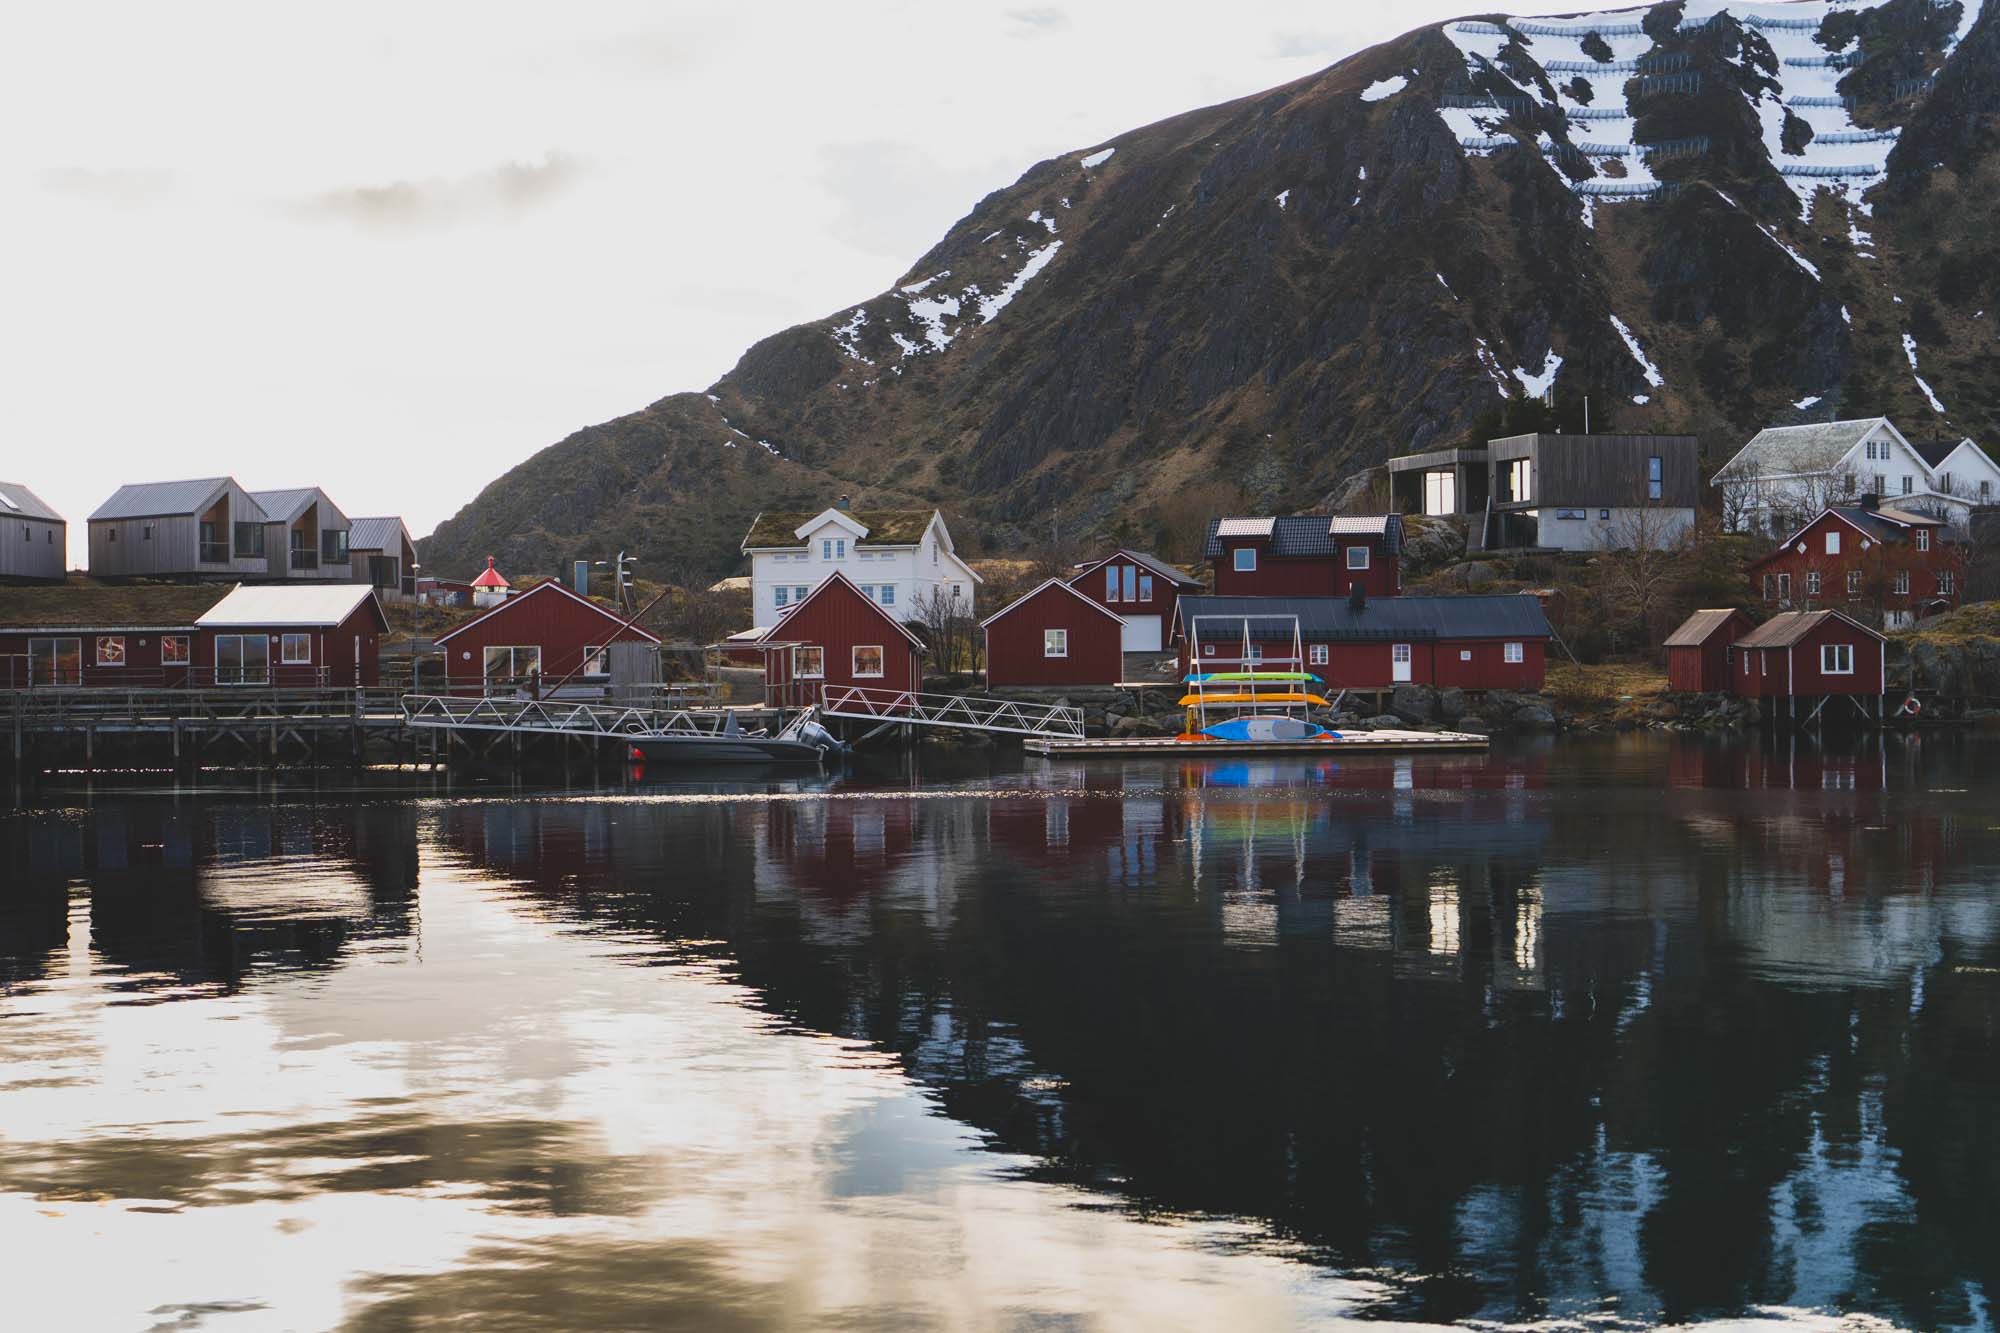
1399 663
1141 634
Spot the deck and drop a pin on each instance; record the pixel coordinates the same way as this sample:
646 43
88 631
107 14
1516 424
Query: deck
1362 742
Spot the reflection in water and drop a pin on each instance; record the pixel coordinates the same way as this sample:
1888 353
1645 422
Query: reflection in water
1600 1033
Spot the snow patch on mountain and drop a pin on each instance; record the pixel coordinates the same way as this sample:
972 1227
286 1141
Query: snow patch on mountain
989 306
1384 88
1910 351
1651 371
1540 382
1098 158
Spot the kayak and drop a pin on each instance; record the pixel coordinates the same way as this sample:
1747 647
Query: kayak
1295 677
1199 700
1266 729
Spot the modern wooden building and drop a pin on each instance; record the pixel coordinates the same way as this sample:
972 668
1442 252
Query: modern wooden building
1806 655
208 528
1698 652
1882 565
1055 635
535 640
289 636
1140 589
1309 555
1559 492
305 536
1473 643
33 537
382 555
838 636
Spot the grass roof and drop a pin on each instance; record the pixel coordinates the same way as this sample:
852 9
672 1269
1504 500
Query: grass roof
82 601
886 527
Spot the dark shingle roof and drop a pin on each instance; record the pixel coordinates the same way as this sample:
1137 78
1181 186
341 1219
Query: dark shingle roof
1788 627
1698 628
1508 616
886 527
1934 452
1313 534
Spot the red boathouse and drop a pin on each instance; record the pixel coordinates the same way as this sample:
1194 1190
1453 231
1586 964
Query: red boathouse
838 637
1055 635
534 639
1809 654
1698 652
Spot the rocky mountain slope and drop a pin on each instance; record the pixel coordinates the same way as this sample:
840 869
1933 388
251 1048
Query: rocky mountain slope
1704 216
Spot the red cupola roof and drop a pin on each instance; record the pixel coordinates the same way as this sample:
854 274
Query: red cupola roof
491 578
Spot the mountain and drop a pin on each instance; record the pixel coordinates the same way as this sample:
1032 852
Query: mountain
1703 216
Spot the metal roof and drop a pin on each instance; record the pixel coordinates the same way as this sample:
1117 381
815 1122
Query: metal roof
160 499
1785 450
1244 527
1505 616
1160 567
1359 525
286 604
1698 628
1788 627
1305 534
284 506
377 534
19 501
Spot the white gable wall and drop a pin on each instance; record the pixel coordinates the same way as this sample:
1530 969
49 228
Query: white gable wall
900 579
1896 472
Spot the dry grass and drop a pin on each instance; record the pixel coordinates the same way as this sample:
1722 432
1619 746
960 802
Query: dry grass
83 601
1616 686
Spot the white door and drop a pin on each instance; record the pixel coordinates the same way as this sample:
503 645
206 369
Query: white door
1399 662
1142 634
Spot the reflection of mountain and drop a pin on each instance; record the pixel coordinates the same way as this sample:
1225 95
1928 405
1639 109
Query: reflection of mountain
205 893
1584 1040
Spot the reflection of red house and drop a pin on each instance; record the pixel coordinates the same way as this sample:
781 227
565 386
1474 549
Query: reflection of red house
838 637
1698 652
1809 653
1054 635
541 636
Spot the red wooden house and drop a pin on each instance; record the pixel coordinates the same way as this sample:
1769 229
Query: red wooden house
1055 635
292 636
1809 654
535 639
838 637
1879 564
1698 652
1140 589
1306 556
1473 643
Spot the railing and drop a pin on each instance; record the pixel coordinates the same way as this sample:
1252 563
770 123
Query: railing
553 716
17 673
959 711
214 553
160 710
304 559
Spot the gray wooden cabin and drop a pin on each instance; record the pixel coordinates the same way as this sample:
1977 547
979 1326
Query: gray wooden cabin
205 528
305 536
383 555
34 539
1560 492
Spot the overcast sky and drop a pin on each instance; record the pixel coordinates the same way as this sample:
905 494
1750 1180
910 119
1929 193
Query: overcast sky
393 249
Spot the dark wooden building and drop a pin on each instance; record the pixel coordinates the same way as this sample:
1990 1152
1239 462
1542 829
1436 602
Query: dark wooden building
838 637
1559 492
1880 565
1809 654
1698 652
1141 589
1055 635
534 640
1310 555
1473 643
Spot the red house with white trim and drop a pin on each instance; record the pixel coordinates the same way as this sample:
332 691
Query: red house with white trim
1878 564
1055 635
1803 654
535 639
1141 589
1306 555
1495 642
1698 652
292 636
838 637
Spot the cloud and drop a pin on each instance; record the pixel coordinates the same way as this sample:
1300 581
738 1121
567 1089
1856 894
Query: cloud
503 193
117 187
1038 21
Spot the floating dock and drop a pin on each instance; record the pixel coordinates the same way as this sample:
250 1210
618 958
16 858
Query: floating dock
1360 742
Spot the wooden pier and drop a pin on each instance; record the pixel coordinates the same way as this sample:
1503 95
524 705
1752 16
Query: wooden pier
1360 742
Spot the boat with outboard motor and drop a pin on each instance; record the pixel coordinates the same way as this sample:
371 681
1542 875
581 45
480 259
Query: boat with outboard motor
801 741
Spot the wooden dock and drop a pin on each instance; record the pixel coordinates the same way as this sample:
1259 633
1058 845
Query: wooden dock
1360 742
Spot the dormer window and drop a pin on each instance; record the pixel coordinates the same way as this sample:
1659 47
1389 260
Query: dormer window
833 548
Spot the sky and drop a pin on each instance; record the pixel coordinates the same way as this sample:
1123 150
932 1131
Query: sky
393 250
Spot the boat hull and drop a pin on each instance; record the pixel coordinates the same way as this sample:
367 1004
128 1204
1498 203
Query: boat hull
724 749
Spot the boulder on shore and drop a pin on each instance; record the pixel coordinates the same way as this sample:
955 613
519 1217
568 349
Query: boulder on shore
1413 703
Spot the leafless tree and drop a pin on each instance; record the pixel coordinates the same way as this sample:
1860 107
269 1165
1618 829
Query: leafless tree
1644 551
945 618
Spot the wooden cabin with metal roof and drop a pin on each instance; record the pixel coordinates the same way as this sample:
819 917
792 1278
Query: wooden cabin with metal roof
33 537
305 536
1140 589
382 555
207 528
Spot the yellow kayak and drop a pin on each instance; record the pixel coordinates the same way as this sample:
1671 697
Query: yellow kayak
1193 700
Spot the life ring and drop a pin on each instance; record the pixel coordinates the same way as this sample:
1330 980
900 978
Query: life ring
1912 707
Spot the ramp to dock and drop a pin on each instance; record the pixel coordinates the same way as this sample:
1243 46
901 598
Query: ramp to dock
960 712
556 717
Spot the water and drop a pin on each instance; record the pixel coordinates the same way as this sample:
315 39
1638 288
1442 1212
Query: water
1584 1034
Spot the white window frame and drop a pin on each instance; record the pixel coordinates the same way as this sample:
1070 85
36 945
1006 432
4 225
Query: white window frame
1111 583
1357 565
49 653
1316 654
888 594
1833 543
182 655
1400 654
881 661
600 655
118 654
242 678
1145 587
285 642
515 657
1055 643
799 671
1245 560
1923 539
1831 654
1513 654
1901 586
1853 584
1812 583
1947 583
781 594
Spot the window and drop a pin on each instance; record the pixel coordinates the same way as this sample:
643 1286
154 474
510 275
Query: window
867 660
1923 539
1946 583
1465 654
1812 583
1870 447
1604 514
243 659
1145 587
1357 557
111 535
799 591
1511 652
296 650
1577 514
333 547
1848 481
1519 479
781 595
868 591
1131 583
1246 559
1399 653
1770 588
249 544
1111 583
146 533
1985 490
1836 659
596 661
1833 543
808 662
1256 653
1316 654
1853 583
1440 493
1764 662
1654 478
1901 587
833 548
55 661
1784 587
1907 483
512 664
888 594
1055 643
176 650
111 650
1944 483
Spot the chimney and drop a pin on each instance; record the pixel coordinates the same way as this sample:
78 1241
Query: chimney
1357 598
841 504
1871 500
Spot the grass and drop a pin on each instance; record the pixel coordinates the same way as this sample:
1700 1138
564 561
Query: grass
83 601
1619 687
1980 620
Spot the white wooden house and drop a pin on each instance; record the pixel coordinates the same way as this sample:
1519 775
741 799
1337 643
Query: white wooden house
900 559
1787 474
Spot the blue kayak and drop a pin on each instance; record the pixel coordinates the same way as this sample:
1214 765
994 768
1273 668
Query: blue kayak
1267 729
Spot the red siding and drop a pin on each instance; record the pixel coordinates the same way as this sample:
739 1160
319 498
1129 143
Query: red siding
332 648
1704 668
1774 673
836 618
547 616
1305 576
142 669
1370 664
1166 593
1014 638
1877 566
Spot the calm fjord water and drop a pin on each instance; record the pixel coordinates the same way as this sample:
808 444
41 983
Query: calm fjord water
1609 1034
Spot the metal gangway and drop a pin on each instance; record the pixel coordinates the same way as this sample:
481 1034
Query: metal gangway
861 703
558 717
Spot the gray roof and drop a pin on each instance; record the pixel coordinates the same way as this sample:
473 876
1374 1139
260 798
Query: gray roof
284 506
1150 561
1790 449
1698 628
1788 627
159 499
1305 534
1935 452
20 502
376 534
1322 619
